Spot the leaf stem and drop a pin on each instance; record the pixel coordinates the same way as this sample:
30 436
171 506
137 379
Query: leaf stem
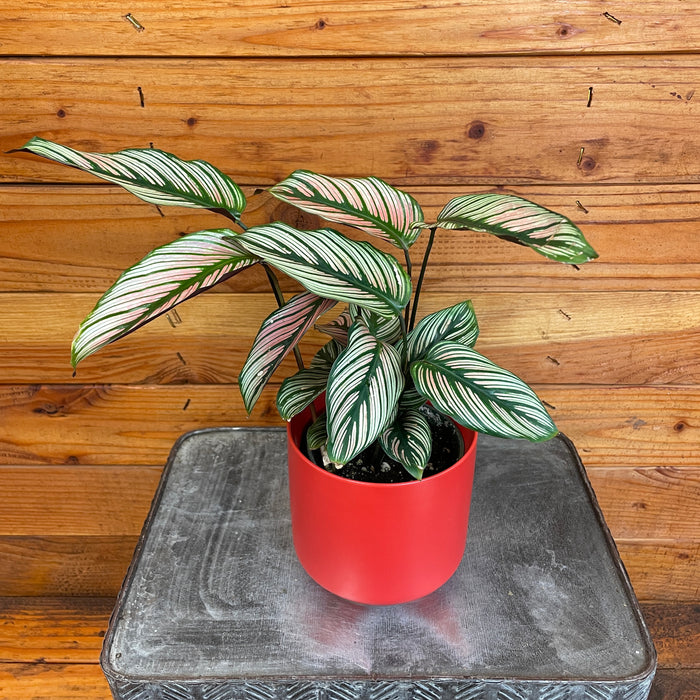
421 276
404 344
409 270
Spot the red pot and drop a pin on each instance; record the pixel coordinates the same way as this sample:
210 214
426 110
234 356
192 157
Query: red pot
378 543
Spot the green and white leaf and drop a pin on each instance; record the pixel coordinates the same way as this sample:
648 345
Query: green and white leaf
337 328
480 395
155 176
456 323
333 266
277 336
363 390
317 435
385 328
366 203
410 397
166 277
521 221
301 388
408 440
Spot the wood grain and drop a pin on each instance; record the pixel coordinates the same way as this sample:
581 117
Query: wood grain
675 629
53 630
137 425
407 120
357 27
78 238
30 681
64 566
65 500
642 503
547 338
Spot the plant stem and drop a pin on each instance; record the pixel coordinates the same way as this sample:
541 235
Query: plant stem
230 215
421 276
409 270
404 344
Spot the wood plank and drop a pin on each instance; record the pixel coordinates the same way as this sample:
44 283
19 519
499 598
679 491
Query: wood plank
649 502
65 500
349 27
53 630
64 566
548 338
642 503
407 120
675 629
78 238
676 685
628 426
662 571
53 682
97 424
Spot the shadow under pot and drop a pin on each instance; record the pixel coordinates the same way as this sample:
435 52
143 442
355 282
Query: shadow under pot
379 543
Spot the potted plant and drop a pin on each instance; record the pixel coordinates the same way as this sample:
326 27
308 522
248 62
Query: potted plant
384 382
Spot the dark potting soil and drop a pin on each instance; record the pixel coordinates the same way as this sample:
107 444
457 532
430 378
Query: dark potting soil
373 465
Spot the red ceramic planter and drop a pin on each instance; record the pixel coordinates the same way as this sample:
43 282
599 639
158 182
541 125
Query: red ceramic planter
378 544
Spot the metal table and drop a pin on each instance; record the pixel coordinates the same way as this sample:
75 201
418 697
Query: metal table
215 605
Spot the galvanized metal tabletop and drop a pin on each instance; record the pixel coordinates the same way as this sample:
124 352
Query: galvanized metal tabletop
216 606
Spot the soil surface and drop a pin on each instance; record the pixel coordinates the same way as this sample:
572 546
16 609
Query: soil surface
374 466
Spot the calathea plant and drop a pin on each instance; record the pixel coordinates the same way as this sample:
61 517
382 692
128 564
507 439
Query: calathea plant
379 366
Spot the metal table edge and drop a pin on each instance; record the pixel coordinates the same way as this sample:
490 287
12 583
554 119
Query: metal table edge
114 677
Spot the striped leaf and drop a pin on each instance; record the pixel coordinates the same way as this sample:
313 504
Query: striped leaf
456 323
299 390
279 333
475 392
385 328
410 397
164 278
408 440
152 175
367 203
317 435
337 328
333 266
363 388
521 221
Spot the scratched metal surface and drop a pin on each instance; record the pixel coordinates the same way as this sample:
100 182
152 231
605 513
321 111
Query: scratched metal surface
216 605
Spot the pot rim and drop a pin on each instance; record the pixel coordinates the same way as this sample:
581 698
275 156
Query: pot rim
469 436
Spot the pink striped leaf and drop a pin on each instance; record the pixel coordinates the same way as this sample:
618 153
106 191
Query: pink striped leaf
520 221
480 395
409 441
277 336
366 203
299 390
364 386
337 328
163 279
152 175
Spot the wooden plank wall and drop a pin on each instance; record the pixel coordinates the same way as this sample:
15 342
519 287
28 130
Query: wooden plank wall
586 107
